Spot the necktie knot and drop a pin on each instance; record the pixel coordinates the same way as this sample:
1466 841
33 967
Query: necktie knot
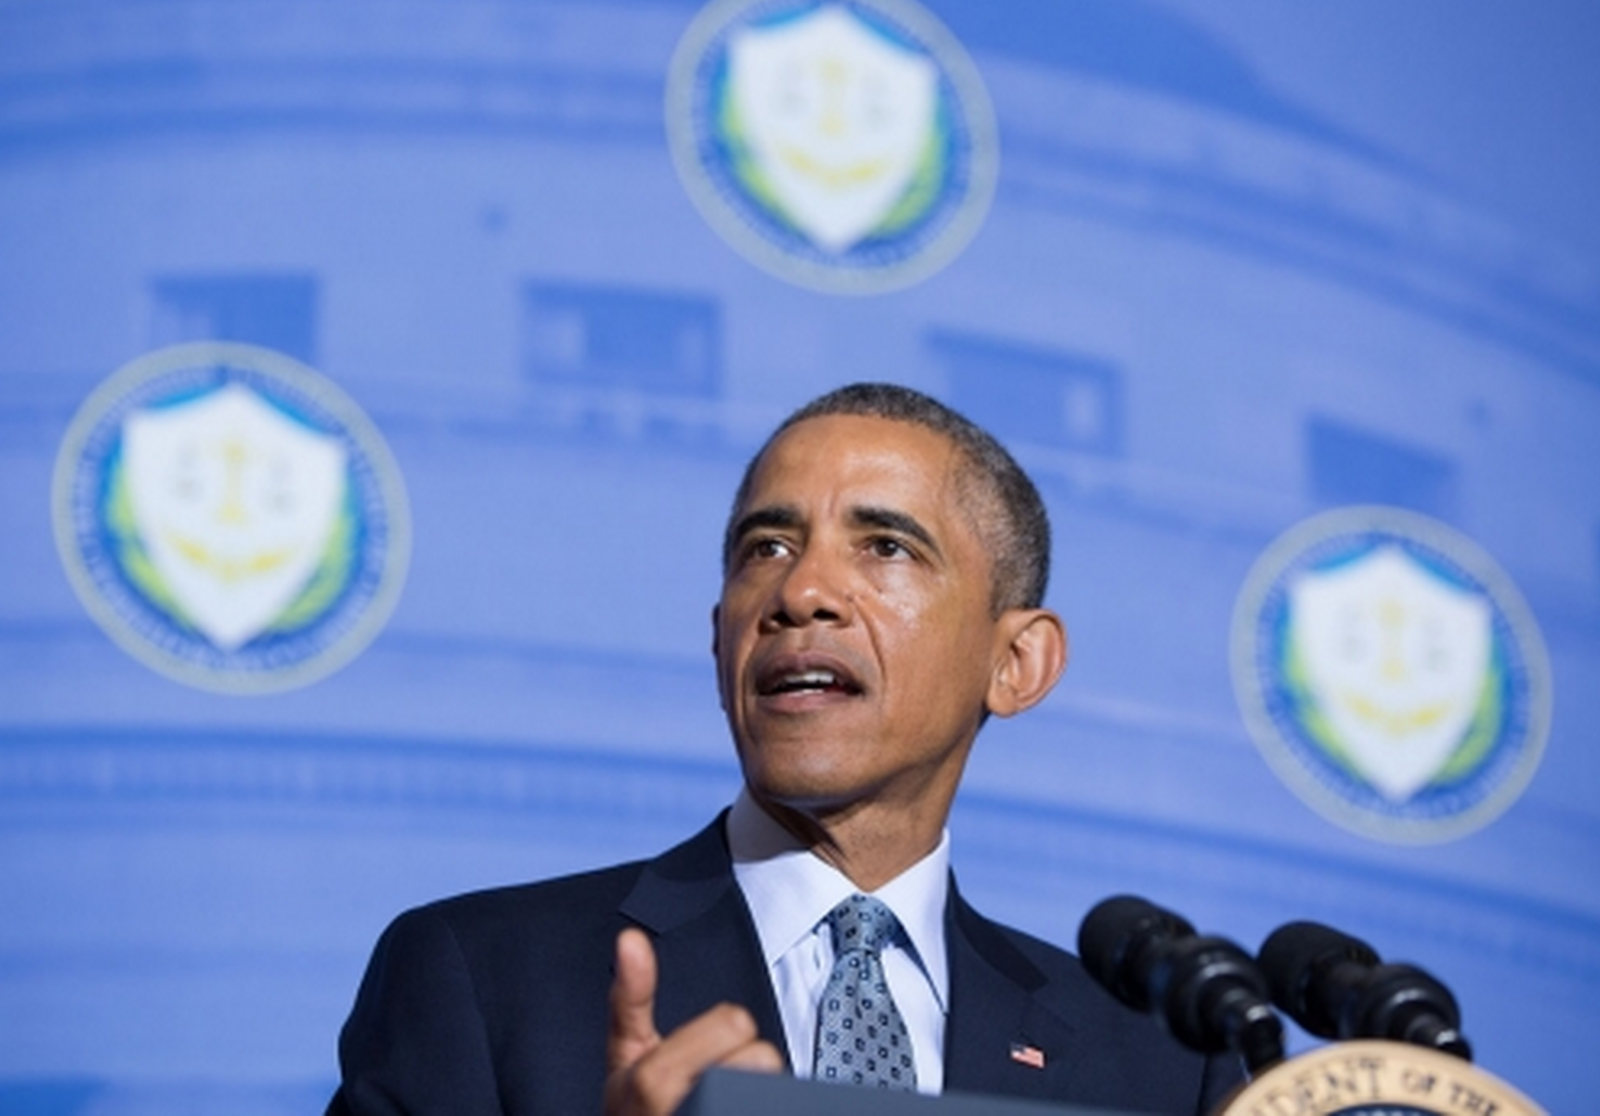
862 923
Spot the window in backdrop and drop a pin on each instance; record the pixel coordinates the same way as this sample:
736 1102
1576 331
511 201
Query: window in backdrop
277 311
621 338
1348 465
1024 393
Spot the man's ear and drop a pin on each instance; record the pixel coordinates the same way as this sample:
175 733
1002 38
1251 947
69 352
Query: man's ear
1030 654
716 652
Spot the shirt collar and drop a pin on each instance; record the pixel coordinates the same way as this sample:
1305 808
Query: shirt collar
790 890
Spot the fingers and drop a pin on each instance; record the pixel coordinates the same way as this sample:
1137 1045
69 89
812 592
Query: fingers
650 1075
633 1001
759 1056
657 1083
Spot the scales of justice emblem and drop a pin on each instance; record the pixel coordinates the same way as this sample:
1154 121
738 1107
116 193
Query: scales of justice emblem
848 147
1391 674
236 504
1396 659
836 119
230 517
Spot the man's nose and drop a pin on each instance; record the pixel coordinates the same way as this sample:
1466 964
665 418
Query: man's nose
814 590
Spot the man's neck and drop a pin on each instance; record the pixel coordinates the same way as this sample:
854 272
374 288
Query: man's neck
869 847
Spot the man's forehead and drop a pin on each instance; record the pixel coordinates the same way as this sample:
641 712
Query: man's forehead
863 469
839 449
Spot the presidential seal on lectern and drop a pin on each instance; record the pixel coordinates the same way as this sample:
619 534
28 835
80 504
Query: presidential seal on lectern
1377 1078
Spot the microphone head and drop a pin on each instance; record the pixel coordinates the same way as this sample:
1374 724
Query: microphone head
1408 1004
1116 940
1310 968
1207 992
1335 986
1212 997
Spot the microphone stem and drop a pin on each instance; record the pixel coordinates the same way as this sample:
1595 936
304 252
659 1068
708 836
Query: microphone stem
1259 1040
1250 1027
1436 1033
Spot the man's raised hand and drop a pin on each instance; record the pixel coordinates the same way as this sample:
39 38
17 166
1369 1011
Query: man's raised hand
649 1074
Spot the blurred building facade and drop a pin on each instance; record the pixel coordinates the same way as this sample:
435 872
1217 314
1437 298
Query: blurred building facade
1197 313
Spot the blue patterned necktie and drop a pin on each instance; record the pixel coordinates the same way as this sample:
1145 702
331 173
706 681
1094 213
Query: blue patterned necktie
861 1038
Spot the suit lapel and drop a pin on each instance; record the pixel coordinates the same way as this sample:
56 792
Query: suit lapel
1000 1038
707 950
1004 1018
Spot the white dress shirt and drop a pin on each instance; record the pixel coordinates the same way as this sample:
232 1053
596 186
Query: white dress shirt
790 892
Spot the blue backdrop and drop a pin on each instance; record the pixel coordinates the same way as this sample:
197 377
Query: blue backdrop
1245 262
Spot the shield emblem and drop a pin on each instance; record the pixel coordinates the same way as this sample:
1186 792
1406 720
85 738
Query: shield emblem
836 116
1396 658
235 503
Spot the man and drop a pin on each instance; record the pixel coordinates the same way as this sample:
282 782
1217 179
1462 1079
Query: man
884 571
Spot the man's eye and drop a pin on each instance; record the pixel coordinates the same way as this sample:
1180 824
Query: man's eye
889 548
766 548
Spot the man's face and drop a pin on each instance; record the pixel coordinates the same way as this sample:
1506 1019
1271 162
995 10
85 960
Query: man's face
854 639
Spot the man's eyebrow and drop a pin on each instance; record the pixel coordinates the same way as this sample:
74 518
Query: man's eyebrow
888 519
780 516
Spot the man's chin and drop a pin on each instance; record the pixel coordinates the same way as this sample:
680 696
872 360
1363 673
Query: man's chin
812 793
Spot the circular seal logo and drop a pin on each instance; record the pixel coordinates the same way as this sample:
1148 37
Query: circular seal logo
230 517
1391 674
1371 1077
845 146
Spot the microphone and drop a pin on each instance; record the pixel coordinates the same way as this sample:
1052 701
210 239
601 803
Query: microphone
1335 986
1206 991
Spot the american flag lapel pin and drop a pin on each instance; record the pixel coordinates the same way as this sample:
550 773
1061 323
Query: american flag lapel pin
1027 1055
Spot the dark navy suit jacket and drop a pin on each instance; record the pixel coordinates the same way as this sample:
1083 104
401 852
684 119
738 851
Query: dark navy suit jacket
496 1002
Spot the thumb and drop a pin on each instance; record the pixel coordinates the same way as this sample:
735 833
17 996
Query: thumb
633 1001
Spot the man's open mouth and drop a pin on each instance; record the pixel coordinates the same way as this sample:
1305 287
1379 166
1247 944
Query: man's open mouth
807 680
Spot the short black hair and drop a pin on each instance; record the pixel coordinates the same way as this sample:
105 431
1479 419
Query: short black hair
1012 522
